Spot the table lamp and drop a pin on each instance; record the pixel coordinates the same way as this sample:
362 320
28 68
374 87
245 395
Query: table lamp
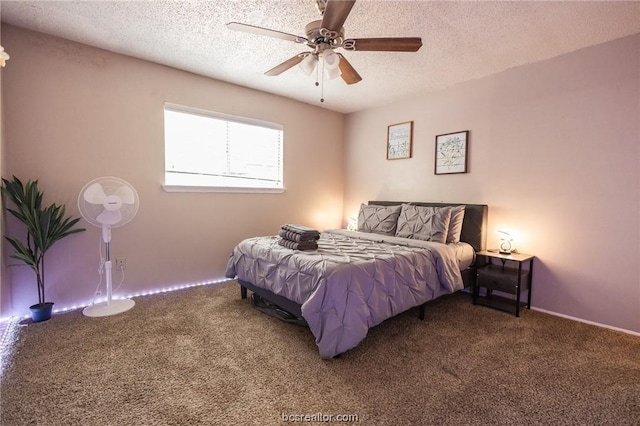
505 242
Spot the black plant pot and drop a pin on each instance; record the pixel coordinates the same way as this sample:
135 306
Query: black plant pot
41 311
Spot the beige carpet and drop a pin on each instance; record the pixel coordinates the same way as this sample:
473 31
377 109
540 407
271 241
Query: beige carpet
203 356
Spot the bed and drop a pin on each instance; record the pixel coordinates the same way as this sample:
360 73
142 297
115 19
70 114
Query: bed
402 256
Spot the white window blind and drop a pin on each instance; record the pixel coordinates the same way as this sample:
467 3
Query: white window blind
207 149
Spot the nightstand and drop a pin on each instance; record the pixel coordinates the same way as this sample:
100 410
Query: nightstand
506 276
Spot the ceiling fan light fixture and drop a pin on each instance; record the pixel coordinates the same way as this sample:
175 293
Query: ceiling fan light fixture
324 35
331 60
308 64
332 72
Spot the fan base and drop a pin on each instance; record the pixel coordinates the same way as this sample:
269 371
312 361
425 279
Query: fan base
103 309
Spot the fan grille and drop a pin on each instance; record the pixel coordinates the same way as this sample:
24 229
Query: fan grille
110 185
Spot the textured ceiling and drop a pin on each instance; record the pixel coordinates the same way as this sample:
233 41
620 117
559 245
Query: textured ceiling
461 40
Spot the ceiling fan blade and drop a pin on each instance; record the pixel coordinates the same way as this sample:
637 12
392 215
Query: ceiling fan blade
291 62
336 13
399 44
349 74
237 26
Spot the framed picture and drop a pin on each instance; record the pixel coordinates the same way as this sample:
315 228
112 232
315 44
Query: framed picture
451 153
399 139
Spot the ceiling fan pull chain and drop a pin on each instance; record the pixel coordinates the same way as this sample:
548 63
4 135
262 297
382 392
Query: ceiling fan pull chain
322 80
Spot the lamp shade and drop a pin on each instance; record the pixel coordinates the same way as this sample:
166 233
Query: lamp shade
331 60
505 242
333 73
308 64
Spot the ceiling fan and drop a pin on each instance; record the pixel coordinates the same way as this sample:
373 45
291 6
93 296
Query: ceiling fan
326 35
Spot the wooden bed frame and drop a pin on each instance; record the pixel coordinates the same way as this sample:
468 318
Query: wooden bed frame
474 232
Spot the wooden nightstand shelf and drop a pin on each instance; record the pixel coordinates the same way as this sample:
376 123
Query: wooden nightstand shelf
505 279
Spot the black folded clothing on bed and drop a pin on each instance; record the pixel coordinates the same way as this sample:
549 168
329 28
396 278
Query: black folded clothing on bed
304 245
300 233
298 237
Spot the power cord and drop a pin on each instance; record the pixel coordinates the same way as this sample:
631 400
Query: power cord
121 280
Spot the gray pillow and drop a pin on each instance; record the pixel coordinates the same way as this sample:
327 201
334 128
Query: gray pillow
378 219
424 223
455 224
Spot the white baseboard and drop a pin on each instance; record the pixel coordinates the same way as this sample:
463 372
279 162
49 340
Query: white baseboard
634 333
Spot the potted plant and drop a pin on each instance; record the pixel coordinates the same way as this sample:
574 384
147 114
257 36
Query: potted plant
45 226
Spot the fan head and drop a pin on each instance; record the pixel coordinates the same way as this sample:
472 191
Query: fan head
108 201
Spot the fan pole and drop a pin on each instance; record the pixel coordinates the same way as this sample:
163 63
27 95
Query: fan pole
110 307
107 265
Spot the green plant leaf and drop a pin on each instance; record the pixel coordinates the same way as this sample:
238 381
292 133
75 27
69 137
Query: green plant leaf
44 226
23 253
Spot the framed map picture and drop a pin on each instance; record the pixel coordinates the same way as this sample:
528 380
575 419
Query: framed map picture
399 138
451 153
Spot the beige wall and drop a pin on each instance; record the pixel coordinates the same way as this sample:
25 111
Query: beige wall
74 113
555 153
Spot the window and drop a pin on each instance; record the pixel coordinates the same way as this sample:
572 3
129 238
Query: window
210 151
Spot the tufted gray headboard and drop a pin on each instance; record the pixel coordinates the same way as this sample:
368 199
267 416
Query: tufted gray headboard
474 224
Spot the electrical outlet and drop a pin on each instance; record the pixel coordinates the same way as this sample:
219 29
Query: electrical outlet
121 263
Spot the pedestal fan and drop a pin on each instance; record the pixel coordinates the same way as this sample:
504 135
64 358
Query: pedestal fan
108 202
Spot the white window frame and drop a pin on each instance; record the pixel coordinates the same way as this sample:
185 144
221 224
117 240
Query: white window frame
173 187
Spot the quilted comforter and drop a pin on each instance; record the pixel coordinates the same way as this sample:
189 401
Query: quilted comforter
353 282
